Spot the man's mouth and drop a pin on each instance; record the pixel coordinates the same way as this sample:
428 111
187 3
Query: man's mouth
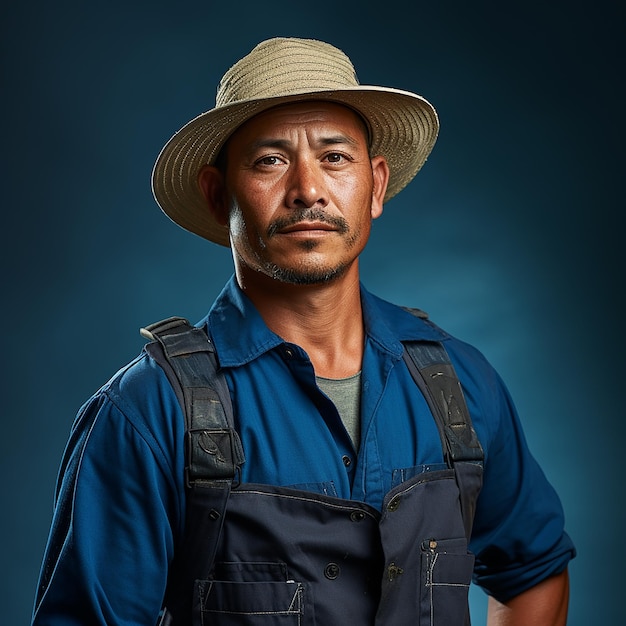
306 227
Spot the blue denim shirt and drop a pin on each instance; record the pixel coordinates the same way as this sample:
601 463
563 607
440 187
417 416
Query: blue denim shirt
121 500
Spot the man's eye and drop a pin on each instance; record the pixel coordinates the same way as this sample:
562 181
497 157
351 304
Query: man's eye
335 157
268 160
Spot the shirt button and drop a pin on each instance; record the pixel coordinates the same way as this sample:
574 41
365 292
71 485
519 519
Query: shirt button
357 516
347 461
331 571
289 353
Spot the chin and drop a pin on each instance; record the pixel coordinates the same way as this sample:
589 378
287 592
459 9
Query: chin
307 276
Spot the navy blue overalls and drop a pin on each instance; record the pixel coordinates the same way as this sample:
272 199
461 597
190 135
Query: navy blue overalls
263 555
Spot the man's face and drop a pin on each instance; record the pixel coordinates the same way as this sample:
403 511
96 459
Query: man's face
301 191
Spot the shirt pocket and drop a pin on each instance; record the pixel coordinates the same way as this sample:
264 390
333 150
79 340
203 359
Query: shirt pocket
398 476
323 489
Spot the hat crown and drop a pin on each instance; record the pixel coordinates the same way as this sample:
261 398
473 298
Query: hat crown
283 67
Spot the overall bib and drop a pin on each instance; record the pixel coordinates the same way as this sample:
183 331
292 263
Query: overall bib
263 555
295 558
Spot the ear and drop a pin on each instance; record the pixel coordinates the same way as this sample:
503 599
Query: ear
380 176
211 183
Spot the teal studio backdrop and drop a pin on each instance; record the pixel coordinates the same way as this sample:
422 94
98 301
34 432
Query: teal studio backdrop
511 237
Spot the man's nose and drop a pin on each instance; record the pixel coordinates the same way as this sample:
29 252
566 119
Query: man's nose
306 185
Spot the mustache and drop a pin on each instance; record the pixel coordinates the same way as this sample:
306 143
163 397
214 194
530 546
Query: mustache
308 215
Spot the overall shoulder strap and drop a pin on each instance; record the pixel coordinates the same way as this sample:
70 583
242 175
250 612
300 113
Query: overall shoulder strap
213 451
434 374
213 447
431 369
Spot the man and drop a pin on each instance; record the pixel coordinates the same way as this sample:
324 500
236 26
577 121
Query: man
348 508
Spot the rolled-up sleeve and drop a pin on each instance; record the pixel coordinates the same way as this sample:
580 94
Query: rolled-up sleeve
519 537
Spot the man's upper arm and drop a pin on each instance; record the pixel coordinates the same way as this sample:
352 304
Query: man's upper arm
114 523
518 536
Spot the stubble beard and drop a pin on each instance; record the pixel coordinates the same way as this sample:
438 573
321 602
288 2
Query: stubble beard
310 273
306 276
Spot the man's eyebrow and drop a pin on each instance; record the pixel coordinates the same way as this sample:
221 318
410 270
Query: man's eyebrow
331 140
268 143
337 139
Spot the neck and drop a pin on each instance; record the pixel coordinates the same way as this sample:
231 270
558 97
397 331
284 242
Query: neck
325 319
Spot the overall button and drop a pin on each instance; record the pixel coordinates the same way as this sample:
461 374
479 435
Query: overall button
394 503
393 571
347 461
331 571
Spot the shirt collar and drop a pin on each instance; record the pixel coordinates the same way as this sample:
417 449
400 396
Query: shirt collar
237 329
240 335
389 325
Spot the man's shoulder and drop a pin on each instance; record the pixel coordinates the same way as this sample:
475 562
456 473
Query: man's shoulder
140 392
409 323
403 323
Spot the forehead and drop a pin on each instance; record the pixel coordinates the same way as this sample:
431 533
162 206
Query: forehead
287 116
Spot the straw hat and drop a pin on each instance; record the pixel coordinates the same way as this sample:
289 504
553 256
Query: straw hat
403 126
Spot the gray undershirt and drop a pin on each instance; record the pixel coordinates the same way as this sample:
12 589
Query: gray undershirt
346 396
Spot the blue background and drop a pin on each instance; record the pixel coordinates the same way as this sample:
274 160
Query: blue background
511 237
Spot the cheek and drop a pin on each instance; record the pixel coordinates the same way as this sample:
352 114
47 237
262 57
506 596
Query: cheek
245 232
358 203
250 205
354 190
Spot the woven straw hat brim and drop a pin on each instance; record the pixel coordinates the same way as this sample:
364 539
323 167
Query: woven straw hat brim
403 128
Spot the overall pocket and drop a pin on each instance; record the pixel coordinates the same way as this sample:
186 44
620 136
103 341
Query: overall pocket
250 602
446 573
